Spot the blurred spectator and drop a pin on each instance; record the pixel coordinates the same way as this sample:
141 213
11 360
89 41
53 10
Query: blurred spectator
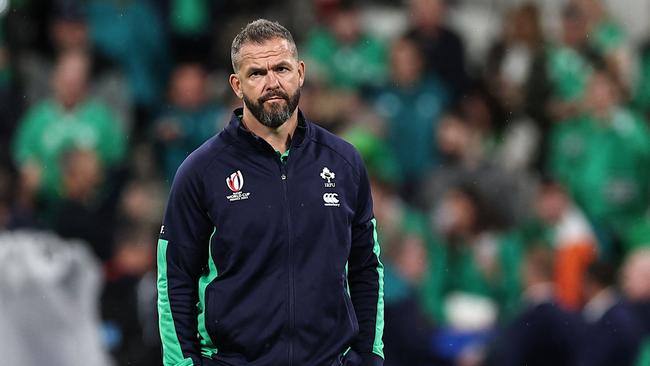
608 39
409 334
641 88
441 47
66 31
568 66
543 333
341 55
471 267
9 103
469 149
129 298
561 226
130 33
49 309
379 161
406 237
70 119
140 204
513 66
6 199
636 287
602 158
612 335
191 24
572 239
188 120
411 105
80 209
512 59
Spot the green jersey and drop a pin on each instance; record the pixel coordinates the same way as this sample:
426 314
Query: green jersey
48 130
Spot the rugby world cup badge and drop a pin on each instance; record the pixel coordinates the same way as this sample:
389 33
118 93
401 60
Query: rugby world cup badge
235 183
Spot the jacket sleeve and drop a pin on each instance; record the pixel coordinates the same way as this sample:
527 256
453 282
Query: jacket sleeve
366 277
182 255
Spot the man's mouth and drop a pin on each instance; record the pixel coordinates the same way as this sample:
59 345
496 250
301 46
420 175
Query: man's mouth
274 97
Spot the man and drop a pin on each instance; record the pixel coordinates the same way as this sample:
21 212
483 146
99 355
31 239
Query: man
525 340
72 119
612 333
268 253
602 156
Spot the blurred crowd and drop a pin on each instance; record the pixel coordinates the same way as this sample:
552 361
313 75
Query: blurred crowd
511 183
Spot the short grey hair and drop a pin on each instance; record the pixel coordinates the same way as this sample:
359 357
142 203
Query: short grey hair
259 31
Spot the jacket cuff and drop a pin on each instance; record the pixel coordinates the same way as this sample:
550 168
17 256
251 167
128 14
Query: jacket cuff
371 359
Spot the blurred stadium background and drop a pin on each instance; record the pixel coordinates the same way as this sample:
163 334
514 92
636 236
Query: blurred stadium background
507 142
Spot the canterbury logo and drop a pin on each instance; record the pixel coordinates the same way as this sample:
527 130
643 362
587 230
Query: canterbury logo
331 199
236 181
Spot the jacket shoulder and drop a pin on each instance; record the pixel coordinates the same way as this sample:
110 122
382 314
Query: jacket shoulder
338 145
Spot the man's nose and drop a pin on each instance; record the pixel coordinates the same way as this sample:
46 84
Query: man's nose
272 80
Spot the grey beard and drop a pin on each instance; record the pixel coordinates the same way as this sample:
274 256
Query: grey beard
278 115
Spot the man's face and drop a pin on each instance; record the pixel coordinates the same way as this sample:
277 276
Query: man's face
70 79
269 81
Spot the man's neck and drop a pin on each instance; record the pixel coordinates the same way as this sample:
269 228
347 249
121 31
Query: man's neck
279 138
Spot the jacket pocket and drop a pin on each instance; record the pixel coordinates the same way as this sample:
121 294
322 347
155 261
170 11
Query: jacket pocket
212 309
348 359
351 359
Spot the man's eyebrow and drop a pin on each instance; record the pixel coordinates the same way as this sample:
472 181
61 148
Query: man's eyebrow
282 64
263 69
254 69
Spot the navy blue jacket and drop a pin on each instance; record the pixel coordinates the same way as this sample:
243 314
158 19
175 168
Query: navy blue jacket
614 339
270 263
542 335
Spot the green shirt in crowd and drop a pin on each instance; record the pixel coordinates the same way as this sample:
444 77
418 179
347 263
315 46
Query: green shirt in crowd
347 66
568 71
48 130
605 165
607 37
455 267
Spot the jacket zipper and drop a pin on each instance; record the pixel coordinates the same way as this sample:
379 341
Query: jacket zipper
283 176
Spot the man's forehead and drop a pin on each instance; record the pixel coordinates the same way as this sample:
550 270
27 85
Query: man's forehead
272 50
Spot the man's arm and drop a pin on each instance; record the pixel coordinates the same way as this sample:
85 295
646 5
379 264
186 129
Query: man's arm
366 278
182 254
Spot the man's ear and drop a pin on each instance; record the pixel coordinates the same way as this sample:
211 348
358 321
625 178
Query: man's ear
301 72
235 84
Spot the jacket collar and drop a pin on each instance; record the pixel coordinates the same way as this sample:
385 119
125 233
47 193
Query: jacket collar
239 132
